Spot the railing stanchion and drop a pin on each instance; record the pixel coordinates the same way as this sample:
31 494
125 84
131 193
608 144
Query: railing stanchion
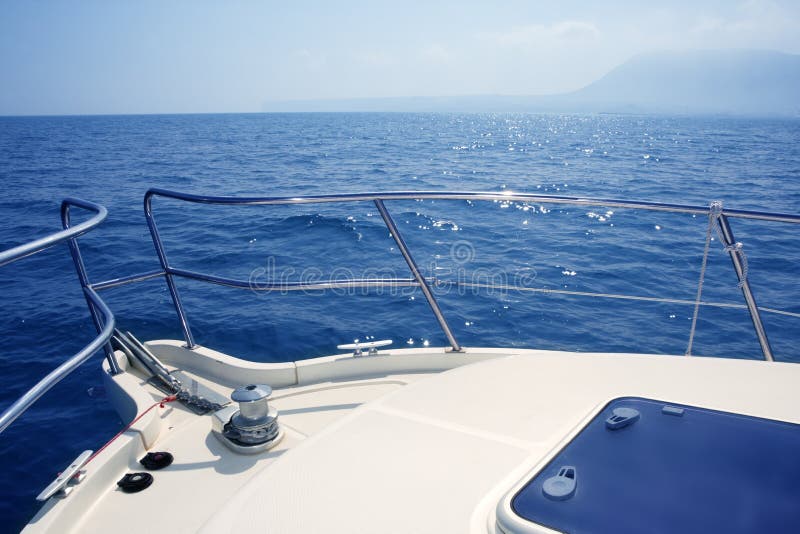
83 278
162 257
726 233
423 283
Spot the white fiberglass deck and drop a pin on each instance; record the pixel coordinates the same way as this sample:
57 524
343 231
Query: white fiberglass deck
412 442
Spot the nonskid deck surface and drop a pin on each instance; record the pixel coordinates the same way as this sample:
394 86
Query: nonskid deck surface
309 395
205 473
384 443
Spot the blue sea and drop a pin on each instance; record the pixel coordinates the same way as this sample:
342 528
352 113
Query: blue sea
113 160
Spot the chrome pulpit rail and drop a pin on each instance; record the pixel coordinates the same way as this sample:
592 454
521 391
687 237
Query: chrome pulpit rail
379 199
32 247
102 316
104 319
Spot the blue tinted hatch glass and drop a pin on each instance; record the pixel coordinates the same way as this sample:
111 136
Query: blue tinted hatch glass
672 468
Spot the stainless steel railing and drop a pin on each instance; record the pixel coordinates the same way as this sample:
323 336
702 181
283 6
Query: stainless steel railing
419 280
104 319
170 273
102 316
38 245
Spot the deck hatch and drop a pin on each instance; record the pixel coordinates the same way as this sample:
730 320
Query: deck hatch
704 471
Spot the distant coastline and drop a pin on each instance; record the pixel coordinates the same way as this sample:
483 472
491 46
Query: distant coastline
750 83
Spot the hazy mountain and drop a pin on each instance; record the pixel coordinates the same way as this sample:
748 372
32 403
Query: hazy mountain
736 82
744 82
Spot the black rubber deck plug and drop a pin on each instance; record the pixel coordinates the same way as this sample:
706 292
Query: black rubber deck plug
133 482
154 461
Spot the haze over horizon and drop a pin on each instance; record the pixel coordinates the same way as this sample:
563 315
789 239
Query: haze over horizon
182 57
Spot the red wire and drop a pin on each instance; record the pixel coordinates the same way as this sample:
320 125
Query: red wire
160 403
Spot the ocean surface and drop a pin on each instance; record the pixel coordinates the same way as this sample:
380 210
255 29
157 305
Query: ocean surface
113 160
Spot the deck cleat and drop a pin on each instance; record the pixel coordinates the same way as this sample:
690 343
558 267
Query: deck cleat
67 479
371 346
252 427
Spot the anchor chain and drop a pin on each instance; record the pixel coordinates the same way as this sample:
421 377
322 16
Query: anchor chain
204 404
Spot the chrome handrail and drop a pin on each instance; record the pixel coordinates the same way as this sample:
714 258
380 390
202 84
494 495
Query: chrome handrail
104 319
27 249
465 195
170 272
59 373
419 280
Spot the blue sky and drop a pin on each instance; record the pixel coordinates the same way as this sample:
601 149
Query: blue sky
60 57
